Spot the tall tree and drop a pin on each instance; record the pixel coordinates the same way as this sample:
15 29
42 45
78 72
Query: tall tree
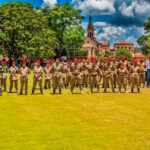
66 22
143 41
21 25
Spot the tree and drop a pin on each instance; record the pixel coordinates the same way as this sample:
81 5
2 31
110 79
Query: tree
123 52
105 54
22 26
144 39
66 22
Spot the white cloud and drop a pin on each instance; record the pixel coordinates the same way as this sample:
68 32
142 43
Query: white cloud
96 7
99 24
135 8
50 3
111 33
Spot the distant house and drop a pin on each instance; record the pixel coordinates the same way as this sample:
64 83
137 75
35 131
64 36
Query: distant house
124 45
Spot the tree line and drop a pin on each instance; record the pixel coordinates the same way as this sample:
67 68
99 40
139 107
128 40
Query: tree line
41 32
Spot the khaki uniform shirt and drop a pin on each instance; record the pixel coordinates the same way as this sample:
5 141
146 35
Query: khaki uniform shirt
24 72
14 73
57 69
47 72
37 71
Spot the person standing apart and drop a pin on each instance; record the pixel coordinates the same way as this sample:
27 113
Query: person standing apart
24 72
148 71
38 72
13 76
4 75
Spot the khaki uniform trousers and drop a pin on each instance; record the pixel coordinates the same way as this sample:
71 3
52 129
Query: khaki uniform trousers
24 83
12 83
94 80
122 82
106 82
135 80
35 81
76 79
57 83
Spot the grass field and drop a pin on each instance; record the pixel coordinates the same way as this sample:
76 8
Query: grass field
75 122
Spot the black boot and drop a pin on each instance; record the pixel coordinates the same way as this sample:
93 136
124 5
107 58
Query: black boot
65 86
86 85
53 92
138 90
26 92
45 87
60 92
20 93
41 91
131 90
0 93
104 91
9 91
32 92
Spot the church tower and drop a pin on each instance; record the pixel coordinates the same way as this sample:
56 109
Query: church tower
90 30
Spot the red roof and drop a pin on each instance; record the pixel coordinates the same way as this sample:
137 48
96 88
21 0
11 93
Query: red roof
124 43
105 44
87 46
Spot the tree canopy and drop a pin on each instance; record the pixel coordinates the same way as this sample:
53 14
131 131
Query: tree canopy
24 31
66 22
144 40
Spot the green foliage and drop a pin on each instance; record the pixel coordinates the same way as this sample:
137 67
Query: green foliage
66 22
123 52
23 26
143 41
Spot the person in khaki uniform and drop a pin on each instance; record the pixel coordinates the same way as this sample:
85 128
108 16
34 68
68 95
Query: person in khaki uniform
0 81
76 70
24 72
57 69
68 74
122 77
135 80
86 75
3 75
47 76
108 75
142 75
38 72
13 77
94 76
64 76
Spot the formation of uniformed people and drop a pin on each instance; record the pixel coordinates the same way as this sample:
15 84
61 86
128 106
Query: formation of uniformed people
80 73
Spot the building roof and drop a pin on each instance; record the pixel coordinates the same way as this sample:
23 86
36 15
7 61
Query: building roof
123 43
138 55
88 45
105 44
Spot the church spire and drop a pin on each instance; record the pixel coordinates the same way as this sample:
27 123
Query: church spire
90 29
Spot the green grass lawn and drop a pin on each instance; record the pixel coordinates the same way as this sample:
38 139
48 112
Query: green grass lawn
75 122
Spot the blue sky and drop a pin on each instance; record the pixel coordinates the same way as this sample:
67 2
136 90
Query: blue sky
114 20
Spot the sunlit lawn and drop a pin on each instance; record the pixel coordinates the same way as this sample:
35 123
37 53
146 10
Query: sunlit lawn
75 122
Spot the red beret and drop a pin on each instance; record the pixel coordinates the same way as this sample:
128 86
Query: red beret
24 63
135 61
94 62
14 62
122 64
109 58
38 61
4 62
52 60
